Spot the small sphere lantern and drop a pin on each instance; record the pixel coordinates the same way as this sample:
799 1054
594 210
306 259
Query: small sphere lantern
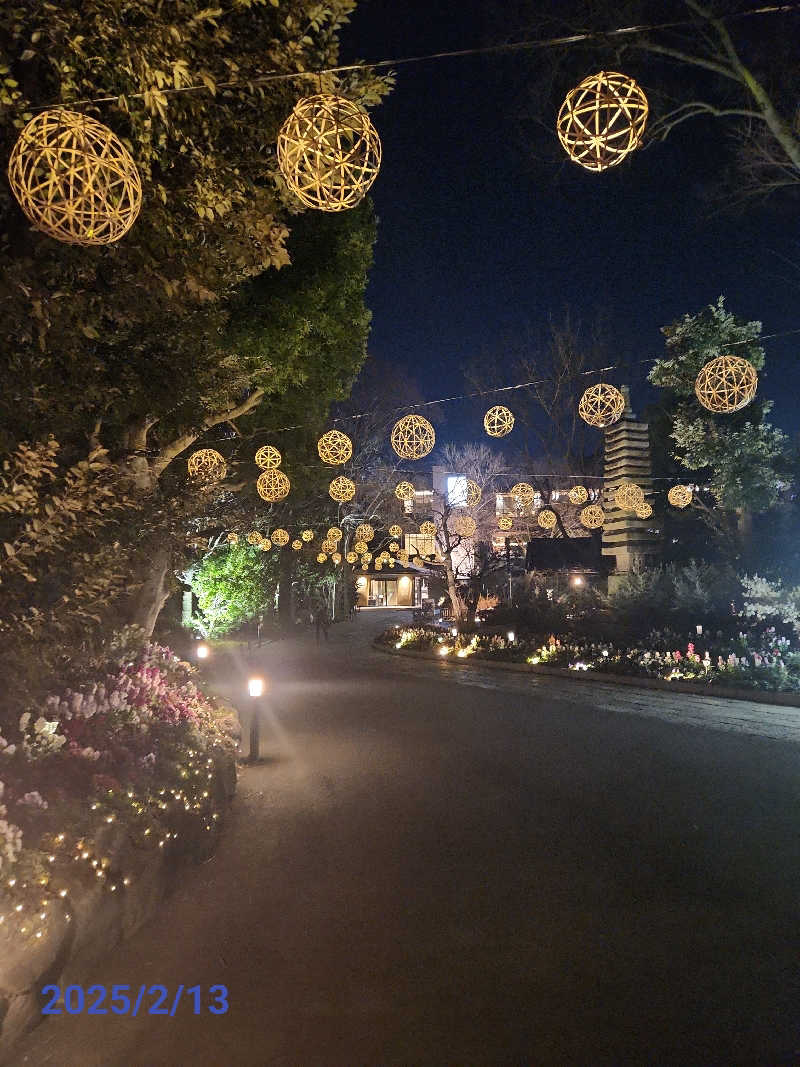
273 485
602 120
74 178
233 539
680 496
629 496
322 557
498 421
280 537
351 557
328 546
505 522
329 152
254 538
601 405
465 525
334 534
547 519
336 557
427 528
523 493
297 545
360 547
307 535
473 493
593 517
334 447
364 532
342 489
578 494
413 437
394 546
395 530
404 491
726 384
206 466
265 545
644 510
268 457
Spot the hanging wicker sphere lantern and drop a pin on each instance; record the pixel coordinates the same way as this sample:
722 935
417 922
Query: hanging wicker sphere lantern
427 528
322 557
206 466
402 555
74 178
505 522
351 557
726 384
391 564
328 546
644 511
334 447
383 556
413 437
329 152
297 545
602 120
254 537
394 546
273 485
629 496
473 493
307 535
395 530
593 517
336 557
601 405
465 525
280 537
378 565
523 494
268 457
498 421
404 491
680 496
360 546
334 534
265 545
547 519
342 489
364 532
233 539
578 494
366 557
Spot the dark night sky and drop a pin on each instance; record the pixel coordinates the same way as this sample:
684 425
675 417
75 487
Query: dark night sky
475 239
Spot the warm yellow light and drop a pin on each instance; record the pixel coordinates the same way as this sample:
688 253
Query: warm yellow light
255 687
202 651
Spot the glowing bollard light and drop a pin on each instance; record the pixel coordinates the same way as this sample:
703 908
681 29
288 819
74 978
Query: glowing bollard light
255 687
202 651
454 631
511 637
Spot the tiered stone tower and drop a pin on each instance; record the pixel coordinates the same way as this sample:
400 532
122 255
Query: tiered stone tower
634 542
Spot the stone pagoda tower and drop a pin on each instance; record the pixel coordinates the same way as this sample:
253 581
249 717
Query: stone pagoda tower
634 542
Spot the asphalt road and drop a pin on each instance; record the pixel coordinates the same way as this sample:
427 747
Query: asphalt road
439 866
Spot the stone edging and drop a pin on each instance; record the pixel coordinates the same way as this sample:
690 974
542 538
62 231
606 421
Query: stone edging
754 696
98 920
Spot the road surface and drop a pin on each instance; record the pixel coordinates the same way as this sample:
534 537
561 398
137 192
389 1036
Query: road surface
440 865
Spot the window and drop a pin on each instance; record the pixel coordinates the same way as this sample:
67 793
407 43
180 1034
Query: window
457 490
424 546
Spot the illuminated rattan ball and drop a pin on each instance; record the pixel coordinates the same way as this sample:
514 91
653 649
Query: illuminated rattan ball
602 120
336 557
351 557
395 530
307 535
365 566
523 494
383 556
629 496
328 546
334 534
297 545
402 555
427 528
505 522
254 537
206 466
413 437
680 496
498 421
473 493
404 491
360 547
644 511
74 178
334 447
727 383
280 537
342 489
465 525
391 564
329 152
547 519
601 405
233 539
265 545
364 532
593 517
366 557
394 546
378 565
322 557
268 457
273 485
578 495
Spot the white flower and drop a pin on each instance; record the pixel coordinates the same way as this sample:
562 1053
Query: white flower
24 720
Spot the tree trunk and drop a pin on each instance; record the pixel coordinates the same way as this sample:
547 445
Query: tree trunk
744 526
153 593
452 589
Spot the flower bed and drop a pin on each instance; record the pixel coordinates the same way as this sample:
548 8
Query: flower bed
761 659
99 788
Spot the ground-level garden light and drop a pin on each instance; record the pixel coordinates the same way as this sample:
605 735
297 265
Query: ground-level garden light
255 687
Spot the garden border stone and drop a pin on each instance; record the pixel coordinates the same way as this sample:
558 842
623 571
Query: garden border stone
99 920
754 696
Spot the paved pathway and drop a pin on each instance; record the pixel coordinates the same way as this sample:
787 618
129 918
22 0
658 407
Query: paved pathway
442 866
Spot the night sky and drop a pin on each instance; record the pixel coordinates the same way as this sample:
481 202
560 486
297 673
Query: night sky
477 239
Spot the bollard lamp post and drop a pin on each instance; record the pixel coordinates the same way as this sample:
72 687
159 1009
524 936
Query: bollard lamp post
255 688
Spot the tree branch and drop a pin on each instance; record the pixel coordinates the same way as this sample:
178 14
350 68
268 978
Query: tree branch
181 443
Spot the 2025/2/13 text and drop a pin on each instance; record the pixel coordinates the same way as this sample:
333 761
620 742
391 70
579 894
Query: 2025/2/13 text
130 1000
